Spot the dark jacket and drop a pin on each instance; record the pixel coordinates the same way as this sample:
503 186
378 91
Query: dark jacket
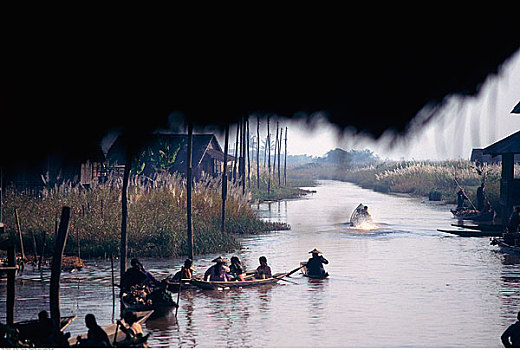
315 265
511 337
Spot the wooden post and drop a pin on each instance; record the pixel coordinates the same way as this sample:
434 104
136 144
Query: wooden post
11 262
236 155
258 152
124 216
42 250
243 158
248 156
113 286
188 191
54 299
285 161
224 181
279 152
268 158
275 150
17 217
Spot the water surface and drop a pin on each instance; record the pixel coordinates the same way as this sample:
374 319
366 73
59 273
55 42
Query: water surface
399 283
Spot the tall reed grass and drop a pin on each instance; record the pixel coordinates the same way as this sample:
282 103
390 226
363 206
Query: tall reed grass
156 216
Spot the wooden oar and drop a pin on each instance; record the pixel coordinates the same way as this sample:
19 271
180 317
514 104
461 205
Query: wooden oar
288 274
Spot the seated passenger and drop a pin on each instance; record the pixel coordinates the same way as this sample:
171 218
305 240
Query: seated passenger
96 336
263 271
186 272
236 269
217 272
514 221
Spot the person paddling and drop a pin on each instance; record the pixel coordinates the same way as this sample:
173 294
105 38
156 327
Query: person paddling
315 263
217 272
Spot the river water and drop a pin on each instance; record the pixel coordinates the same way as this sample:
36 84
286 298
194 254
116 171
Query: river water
397 283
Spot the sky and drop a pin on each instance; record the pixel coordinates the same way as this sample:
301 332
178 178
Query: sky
460 124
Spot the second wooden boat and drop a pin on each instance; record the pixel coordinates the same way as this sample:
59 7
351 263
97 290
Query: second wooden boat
111 329
471 233
27 329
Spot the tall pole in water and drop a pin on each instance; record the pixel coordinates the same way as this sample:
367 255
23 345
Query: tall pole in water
285 161
124 213
224 181
188 190
258 152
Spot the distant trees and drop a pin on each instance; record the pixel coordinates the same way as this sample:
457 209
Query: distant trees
352 159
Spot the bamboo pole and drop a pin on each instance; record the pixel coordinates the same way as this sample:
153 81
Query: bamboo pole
275 148
20 234
268 158
61 240
285 161
124 216
243 158
224 181
258 152
188 190
113 286
279 152
11 290
248 156
236 155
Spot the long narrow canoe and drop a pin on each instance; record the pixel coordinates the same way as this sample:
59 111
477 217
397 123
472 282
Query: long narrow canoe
471 233
306 274
505 247
28 328
142 316
249 282
483 227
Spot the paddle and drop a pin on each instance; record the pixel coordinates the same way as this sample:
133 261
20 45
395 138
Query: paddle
287 274
115 334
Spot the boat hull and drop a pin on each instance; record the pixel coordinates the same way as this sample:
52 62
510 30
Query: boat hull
212 285
27 329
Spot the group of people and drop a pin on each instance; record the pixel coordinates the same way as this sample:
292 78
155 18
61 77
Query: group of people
220 271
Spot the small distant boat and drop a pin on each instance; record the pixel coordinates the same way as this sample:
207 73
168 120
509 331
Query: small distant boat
360 216
27 329
306 274
142 316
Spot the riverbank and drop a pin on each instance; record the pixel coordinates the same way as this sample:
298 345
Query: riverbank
293 189
419 179
156 217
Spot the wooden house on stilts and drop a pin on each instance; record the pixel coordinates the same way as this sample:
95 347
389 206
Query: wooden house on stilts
509 182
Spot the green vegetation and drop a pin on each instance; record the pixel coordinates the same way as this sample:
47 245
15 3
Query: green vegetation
292 190
156 217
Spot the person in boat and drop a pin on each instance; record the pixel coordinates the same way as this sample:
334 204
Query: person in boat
461 197
133 332
514 221
511 336
481 196
137 275
236 270
263 271
45 332
217 272
186 272
315 263
364 211
96 336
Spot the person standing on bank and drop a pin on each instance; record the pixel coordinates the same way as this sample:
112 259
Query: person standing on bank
511 337
481 196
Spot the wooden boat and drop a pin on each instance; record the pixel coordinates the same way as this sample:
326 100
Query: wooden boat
249 282
111 329
472 214
159 303
471 233
506 247
27 329
304 271
483 227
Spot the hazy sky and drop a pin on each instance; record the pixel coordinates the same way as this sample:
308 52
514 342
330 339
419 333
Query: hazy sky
460 125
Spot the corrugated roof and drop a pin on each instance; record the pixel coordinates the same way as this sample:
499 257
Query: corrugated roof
510 144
